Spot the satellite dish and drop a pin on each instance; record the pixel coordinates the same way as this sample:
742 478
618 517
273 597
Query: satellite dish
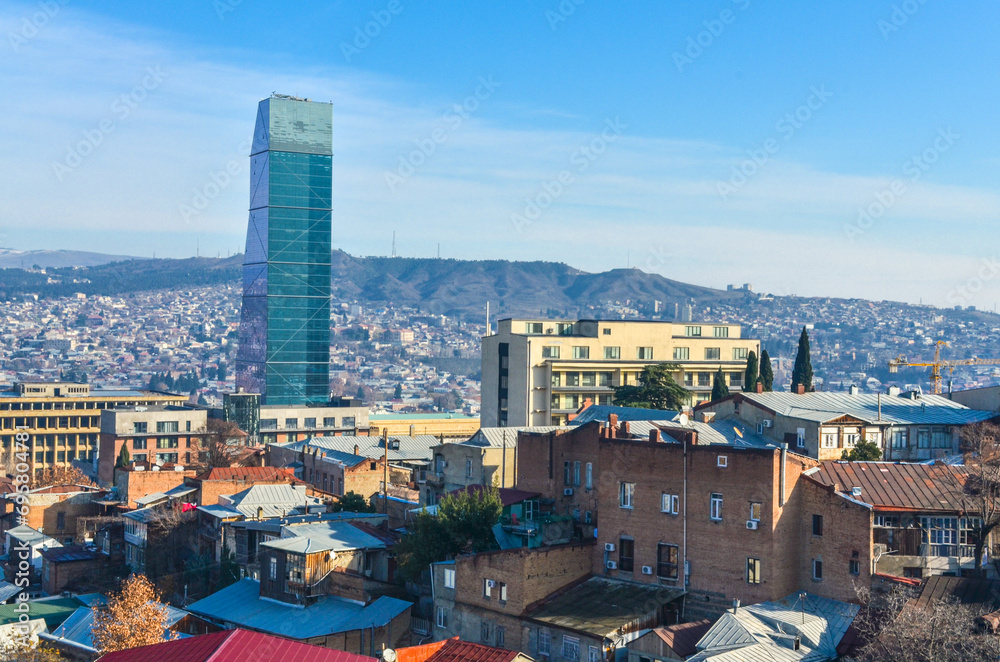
389 655
683 419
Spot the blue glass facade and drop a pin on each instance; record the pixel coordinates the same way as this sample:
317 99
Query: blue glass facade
284 346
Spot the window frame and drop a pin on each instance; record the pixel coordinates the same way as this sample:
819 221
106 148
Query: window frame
626 495
663 566
449 578
669 503
626 562
612 353
715 507
753 570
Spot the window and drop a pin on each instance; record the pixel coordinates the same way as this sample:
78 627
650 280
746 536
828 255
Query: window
564 328
544 642
720 332
590 476
817 525
140 428
487 588
61 520
441 618
533 327
740 353
829 438
669 503
626 494
688 379
736 379
449 578
484 631
167 442
310 423
666 561
499 638
887 521
940 438
571 648
589 379
572 379
567 473
139 444
606 378
755 509
753 571
854 567
606 332
502 591
626 554
468 467
593 654
291 423
818 569
580 352
645 354
273 569
550 352
682 353
712 353
328 422
923 438
800 437
557 379
612 353
898 436
692 331
167 426
139 457
704 379
715 507
265 424
576 473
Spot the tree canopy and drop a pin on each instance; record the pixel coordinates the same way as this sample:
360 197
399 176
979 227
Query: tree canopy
766 371
719 388
656 390
354 503
802 372
133 617
751 374
863 451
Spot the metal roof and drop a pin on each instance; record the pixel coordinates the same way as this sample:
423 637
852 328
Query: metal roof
222 512
241 605
269 500
719 432
978 592
498 437
324 536
897 410
410 448
601 413
234 646
77 627
764 631
902 485
8 590
54 611
29 536
150 499
455 650
70 553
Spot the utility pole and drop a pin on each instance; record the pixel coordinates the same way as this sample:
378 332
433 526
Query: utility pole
385 464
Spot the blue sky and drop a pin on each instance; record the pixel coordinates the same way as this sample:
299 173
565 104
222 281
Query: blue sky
841 149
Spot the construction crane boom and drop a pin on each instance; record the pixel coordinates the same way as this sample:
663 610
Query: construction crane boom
937 365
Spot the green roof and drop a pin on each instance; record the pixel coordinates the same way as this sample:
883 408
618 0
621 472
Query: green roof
53 611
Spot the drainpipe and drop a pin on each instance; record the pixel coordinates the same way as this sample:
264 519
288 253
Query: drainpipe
784 458
684 565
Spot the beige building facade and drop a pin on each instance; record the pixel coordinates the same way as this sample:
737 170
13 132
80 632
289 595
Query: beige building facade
539 372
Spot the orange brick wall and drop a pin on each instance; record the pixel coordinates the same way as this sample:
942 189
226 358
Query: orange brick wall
138 484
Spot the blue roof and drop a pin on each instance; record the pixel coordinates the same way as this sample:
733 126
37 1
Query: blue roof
240 604
601 412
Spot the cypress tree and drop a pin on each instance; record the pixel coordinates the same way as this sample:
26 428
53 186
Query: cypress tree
751 374
802 372
766 371
124 458
719 388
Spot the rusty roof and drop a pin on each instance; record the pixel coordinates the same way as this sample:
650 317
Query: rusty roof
980 593
897 485
247 473
683 638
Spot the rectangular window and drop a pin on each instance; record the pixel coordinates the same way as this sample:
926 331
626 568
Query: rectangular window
720 332
167 426
544 642
500 635
753 571
682 353
692 331
829 438
328 422
487 588
502 591
576 473
273 569
854 567
468 468
565 328
580 352
485 631
898 436
291 423
704 379
590 476
606 378
817 525
449 578
567 473
310 423
550 352
626 494
533 327
666 561
736 379
712 353
612 353
589 379
139 444
669 503
572 379
688 379
740 353
626 554
606 332
593 654
167 442
715 507
348 422
557 379
755 509
817 569
265 424
442 617
645 354
140 427
800 437
571 648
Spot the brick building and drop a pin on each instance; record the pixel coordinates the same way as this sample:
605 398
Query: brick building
153 434
218 481
53 510
140 481
74 567
332 471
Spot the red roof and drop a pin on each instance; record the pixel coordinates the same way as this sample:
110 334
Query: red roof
684 637
247 473
234 646
454 650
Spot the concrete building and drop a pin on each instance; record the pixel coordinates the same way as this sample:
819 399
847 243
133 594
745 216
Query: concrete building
269 424
539 372
63 419
153 434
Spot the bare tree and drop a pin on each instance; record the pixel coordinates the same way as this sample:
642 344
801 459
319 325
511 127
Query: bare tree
133 617
61 475
981 448
224 445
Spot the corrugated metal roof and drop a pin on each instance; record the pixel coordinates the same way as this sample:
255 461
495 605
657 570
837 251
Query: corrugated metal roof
241 605
29 536
899 410
981 593
909 486
721 432
498 437
77 628
8 590
601 413
246 473
273 500
324 536
456 650
410 448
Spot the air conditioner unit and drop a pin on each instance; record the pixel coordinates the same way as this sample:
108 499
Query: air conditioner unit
611 565
491 583
752 524
647 570
767 422
609 547
568 491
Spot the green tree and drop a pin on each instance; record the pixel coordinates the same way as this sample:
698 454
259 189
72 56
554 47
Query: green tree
656 390
802 372
353 502
398 393
221 373
863 451
751 374
463 524
124 458
766 371
719 388
360 394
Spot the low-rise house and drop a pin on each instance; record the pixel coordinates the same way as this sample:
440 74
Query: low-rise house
53 509
72 567
232 480
25 543
143 484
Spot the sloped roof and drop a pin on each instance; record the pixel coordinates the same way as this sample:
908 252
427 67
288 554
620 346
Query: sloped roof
77 628
241 605
70 553
683 638
54 611
8 590
30 536
601 413
975 591
720 432
410 448
246 473
324 536
273 500
234 646
498 437
455 650
901 485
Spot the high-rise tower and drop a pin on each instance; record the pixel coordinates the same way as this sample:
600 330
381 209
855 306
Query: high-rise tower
284 345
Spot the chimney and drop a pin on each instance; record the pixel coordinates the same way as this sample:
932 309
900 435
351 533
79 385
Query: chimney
654 435
854 390
759 387
625 429
357 449
612 421
800 389
736 605
707 416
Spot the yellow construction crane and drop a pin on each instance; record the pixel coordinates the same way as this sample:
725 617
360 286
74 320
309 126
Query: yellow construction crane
937 364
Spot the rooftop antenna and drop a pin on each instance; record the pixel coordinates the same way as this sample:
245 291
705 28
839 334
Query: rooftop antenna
394 243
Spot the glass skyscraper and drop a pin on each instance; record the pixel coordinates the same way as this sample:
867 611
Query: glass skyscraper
284 344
